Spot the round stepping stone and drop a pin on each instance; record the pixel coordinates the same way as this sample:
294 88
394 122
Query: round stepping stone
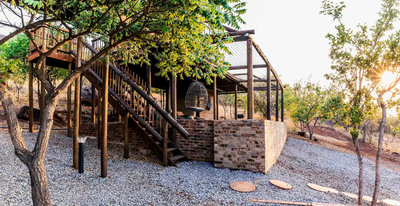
391 202
280 184
322 189
350 195
242 186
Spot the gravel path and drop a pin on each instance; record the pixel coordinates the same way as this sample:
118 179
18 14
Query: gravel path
136 182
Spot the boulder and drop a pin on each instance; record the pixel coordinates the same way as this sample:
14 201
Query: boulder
23 113
86 95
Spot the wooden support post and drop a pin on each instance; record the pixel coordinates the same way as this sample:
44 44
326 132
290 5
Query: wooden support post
31 127
126 136
173 97
215 99
80 99
77 106
148 85
42 92
43 68
168 98
99 121
277 103
236 102
165 144
250 89
174 104
282 108
69 100
104 119
268 93
93 104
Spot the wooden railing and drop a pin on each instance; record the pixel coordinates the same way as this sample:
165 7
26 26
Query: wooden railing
133 92
51 36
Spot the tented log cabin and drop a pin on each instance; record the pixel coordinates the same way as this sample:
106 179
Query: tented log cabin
162 122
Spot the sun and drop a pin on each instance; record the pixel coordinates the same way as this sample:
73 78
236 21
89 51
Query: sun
387 78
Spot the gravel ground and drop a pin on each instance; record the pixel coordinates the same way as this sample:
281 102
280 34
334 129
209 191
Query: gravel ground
138 182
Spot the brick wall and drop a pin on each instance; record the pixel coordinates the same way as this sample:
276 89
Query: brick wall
200 145
115 132
253 145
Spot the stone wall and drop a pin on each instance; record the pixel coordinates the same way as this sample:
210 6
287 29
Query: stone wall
200 145
253 145
275 138
115 133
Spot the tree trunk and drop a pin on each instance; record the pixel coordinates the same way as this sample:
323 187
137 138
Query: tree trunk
33 160
309 130
360 171
40 190
378 156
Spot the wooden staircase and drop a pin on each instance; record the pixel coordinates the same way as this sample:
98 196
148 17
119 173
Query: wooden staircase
128 96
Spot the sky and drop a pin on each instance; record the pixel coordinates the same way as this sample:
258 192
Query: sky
291 33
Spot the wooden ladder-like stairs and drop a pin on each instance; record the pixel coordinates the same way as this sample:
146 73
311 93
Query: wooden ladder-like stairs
128 96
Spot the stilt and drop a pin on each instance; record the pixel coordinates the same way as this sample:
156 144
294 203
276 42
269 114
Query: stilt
174 104
77 102
69 100
80 99
215 99
93 104
277 103
165 144
282 108
104 119
250 86
126 136
31 127
168 98
236 102
99 120
42 92
148 85
42 89
268 93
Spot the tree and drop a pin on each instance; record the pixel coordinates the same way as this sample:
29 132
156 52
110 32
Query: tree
17 49
226 101
360 61
137 29
310 106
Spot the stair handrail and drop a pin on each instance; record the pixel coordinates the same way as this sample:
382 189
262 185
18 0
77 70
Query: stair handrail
157 107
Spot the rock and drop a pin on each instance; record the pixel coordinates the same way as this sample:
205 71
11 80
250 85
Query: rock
23 113
59 117
86 95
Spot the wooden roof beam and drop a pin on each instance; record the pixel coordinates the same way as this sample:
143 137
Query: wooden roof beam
245 67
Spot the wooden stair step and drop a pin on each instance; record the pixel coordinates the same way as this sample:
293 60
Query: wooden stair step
176 158
171 149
